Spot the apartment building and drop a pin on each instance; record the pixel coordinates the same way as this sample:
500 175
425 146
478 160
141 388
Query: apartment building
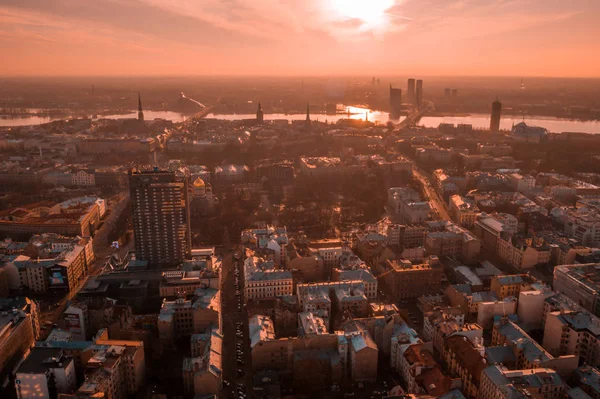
402 279
581 283
541 383
463 210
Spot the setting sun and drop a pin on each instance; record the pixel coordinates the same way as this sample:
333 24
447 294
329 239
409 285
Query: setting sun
370 12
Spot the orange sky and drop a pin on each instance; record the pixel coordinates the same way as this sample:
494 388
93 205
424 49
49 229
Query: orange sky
300 37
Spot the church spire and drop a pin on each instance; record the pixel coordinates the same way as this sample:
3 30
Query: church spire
140 110
260 116
307 112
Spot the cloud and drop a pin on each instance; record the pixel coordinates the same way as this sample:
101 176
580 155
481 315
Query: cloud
284 35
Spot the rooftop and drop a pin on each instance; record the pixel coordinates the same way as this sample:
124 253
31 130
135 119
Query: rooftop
464 204
534 378
511 279
467 355
312 324
581 320
261 329
577 393
348 294
589 376
532 351
41 359
585 274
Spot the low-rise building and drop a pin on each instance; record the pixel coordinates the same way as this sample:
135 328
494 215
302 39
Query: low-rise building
583 224
449 328
45 373
83 178
573 333
465 360
484 305
581 283
522 184
313 323
75 217
131 352
406 236
532 303
541 383
523 253
183 284
445 239
407 205
314 297
402 279
509 285
463 210
357 348
364 275
63 270
351 300
186 317
202 373
489 228
268 239
421 373
115 370
263 280
19 328
528 353
432 318
588 380
231 173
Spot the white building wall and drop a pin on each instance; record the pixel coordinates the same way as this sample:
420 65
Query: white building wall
487 310
32 386
531 308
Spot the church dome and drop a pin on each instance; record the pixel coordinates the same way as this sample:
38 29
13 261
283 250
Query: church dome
199 183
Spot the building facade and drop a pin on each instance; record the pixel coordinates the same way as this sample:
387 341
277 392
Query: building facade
161 216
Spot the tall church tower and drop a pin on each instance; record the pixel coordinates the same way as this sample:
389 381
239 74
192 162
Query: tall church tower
140 111
307 122
260 116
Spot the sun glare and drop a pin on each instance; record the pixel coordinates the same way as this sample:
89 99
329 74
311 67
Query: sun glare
370 12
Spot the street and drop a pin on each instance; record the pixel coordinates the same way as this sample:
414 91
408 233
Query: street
102 249
236 357
436 202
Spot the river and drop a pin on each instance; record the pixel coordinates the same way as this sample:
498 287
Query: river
480 121
27 120
555 125
355 113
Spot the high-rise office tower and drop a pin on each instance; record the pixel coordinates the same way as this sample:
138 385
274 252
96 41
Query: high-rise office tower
419 93
161 216
495 119
447 92
395 101
410 93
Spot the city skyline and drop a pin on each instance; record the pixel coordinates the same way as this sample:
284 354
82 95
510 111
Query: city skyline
239 37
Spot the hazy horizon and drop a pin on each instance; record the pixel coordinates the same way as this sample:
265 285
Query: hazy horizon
312 38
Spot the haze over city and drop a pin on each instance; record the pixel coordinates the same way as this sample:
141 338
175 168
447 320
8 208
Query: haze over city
288 37
298 199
